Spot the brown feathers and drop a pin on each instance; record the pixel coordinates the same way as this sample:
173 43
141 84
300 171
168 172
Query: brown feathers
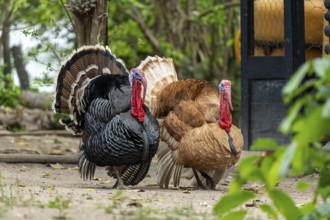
159 73
207 148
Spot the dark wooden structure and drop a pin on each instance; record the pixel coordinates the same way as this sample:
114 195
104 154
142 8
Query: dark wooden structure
263 77
327 27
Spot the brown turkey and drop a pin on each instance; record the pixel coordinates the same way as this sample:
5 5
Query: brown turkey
196 125
106 105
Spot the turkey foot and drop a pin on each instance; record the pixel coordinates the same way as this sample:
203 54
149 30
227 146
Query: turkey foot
119 183
199 182
210 184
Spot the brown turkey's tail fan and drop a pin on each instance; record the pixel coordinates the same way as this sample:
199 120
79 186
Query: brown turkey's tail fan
159 73
85 64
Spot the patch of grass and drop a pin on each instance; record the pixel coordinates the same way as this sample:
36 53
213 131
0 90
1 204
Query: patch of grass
118 198
11 196
47 175
57 141
61 205
87 196
134 209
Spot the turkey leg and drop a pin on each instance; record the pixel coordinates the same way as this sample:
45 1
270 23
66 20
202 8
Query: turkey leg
209 181
199 182
119 183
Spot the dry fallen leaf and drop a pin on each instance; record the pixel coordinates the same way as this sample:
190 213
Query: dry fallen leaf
56 152
23 168
56 166
134 204
20 184
21 143
152 184
257 188
105 181
252 204
73 168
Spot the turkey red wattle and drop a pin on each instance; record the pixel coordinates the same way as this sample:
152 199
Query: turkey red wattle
225 120
138 81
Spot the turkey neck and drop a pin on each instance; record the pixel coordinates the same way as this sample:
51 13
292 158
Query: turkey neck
225 115
137 102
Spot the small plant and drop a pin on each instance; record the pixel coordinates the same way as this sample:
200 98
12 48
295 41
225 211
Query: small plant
61 205
11 196
88 196
118 198
47 175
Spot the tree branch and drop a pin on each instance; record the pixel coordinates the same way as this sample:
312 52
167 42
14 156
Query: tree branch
219 6
37 158
135 15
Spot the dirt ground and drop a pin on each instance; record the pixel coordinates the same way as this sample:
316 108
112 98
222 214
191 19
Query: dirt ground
55 191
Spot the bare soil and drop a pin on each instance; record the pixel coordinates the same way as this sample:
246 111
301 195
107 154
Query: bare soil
56 191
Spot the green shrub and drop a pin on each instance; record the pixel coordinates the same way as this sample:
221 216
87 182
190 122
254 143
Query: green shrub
308 121
9 96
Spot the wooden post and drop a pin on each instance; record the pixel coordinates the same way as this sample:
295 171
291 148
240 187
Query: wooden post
326 44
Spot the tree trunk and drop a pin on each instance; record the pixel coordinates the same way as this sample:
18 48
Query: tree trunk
20 68
90 21
5 43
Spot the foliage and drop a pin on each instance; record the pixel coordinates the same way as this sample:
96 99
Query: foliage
198 35
10 196
193 33
45 24
61 205
9 96
308 121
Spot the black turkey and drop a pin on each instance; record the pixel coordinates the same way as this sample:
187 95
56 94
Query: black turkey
106 105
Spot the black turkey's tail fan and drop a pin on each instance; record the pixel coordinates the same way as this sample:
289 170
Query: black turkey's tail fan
132 174
85 64
86 167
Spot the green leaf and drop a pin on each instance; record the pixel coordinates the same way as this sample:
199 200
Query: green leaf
272 174
324 210
296 79
232 200
324 183
264 144
269 210
326 109
321 66
237 215
302 185
248 168
287 159
284 204
308 208
286 123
